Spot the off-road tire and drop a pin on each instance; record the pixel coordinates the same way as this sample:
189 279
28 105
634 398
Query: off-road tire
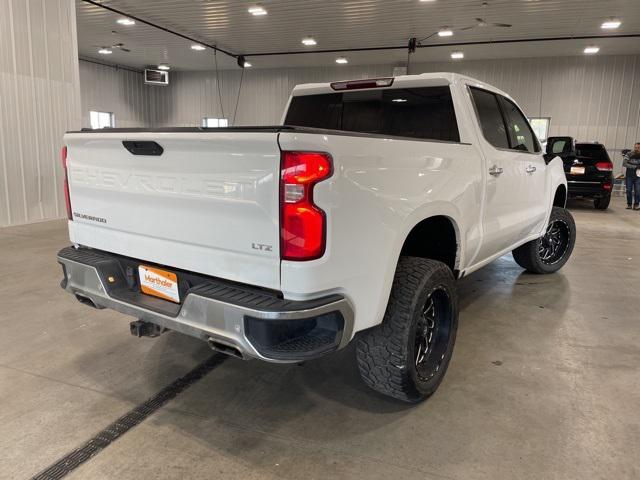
386 354
528 255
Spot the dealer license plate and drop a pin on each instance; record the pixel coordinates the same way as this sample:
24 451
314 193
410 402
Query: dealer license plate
577 170
159 283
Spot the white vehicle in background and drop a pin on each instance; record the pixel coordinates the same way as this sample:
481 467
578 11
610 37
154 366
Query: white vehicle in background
351 221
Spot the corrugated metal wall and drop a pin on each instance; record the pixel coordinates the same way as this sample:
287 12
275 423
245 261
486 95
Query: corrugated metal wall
116 90
591 98
39 101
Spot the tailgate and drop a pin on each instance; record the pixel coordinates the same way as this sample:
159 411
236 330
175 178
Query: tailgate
208 204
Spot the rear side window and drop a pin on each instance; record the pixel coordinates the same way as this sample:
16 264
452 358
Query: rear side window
520 132
490 118
425 113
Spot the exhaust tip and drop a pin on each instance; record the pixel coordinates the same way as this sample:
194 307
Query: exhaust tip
86 301
223 348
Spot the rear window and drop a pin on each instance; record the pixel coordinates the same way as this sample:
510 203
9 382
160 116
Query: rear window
592 151
425 113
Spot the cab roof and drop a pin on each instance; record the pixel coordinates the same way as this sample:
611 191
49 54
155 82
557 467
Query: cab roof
403 81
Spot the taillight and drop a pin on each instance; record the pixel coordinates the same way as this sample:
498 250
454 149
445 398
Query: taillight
67 197
302 223
607 186
605 166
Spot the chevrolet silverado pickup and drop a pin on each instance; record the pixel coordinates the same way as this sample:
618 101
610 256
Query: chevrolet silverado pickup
350 221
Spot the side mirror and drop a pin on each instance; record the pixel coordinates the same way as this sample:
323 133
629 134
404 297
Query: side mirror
548 157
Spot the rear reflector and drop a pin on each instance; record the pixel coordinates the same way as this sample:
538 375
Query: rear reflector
369 83
67 197
302 223
607 186
605 166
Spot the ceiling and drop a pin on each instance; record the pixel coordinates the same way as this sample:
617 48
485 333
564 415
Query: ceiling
347 24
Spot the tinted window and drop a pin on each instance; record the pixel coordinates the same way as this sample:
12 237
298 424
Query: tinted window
592 151
490 118
416 112
520 133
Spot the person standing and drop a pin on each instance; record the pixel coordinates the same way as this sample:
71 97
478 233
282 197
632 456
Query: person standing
632 177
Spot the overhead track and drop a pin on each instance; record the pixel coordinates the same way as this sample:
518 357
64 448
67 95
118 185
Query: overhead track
452 44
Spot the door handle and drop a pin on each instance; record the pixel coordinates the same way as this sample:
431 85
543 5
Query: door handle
531 169
495 171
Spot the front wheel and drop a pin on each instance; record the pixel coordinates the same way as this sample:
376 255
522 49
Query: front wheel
549 253
407 355
602 203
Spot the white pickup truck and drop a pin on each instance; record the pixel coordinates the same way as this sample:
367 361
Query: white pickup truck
351 221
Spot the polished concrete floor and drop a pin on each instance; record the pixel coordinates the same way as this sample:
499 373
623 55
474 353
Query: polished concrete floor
544 382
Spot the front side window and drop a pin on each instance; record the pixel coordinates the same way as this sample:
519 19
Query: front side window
490 117
425 113
520 134
101 120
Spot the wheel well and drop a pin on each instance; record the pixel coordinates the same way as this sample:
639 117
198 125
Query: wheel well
433 238
560 200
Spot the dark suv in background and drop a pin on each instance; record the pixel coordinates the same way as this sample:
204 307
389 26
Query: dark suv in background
588 168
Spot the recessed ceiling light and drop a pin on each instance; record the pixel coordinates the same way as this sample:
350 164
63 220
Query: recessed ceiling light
105 51
257 10
445 32
401 100
342 60
457 55
309 41
611 24
247 65
126 21
591 50
164 67
197 47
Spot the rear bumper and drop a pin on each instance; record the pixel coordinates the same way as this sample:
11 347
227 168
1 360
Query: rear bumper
583 188
251 322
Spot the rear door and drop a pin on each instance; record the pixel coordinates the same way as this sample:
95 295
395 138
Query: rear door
527 151
504 215
208 203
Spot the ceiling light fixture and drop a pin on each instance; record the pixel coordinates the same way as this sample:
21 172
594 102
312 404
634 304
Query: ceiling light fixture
341 60
611 24
126 21
105 51
591 50
257 10
445 32
197 47
309 41
457 55
247 65
164 67
400 100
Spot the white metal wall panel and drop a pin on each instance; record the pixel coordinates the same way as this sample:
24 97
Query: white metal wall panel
122 92
591 98
39 101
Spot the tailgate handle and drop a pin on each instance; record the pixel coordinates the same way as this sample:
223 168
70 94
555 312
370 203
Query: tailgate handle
143 147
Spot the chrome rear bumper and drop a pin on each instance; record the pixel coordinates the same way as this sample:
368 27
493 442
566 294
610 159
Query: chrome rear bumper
252 322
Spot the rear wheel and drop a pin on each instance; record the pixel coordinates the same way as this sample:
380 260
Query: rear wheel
407 355
549 253
602 203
